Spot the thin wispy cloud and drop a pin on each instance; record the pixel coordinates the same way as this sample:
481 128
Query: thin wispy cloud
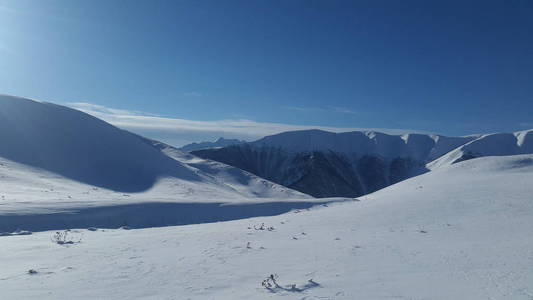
304 109
103 110
342 110
330 109
178 131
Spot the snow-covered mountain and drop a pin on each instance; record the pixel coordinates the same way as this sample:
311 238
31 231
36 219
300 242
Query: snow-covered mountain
460 232
350 164
420 147
220 142
56 159
498 144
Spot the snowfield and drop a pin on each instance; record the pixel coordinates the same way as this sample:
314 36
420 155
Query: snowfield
35 199
460 232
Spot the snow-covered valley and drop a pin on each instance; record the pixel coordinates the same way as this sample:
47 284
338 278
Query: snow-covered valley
462 232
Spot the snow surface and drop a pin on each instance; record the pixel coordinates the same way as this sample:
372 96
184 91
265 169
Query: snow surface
460 232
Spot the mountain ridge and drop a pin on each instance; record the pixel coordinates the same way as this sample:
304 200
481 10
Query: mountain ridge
356 163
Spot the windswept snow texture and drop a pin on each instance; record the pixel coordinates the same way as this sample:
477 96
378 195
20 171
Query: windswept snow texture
460 232
327 164
221 142
498 144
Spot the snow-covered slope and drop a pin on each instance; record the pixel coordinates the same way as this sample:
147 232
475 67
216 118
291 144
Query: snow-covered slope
220 142
80 147
497 144
55 159
460 232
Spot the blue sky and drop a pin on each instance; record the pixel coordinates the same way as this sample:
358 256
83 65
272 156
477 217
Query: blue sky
449 67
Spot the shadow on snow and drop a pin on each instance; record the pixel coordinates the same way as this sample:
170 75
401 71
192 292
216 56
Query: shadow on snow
144 215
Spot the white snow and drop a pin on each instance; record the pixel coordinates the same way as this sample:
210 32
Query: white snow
460 232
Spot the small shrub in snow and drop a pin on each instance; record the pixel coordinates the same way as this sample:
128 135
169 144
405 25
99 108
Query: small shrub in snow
270 282
64 238
61 238
263 227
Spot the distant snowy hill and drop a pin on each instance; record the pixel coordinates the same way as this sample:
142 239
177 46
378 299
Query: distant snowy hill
460 232
498 144
82 148
220 142
54 158
326 164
